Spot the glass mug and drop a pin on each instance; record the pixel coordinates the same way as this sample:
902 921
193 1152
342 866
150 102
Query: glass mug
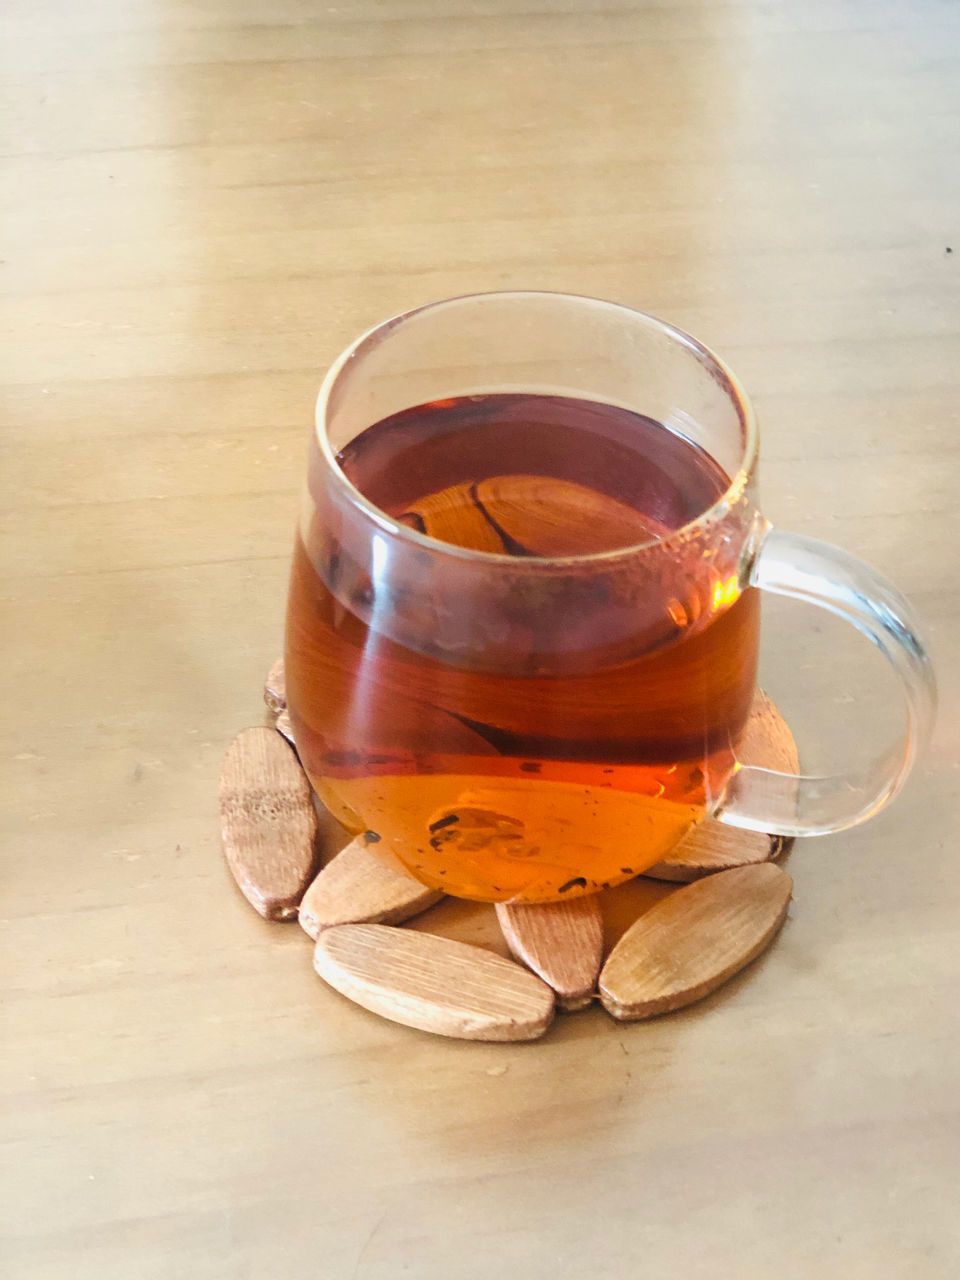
542 703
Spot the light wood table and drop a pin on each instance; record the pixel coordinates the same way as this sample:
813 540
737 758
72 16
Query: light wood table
203 202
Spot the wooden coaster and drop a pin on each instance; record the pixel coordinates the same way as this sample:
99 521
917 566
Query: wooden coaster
684 946
434 984
693 941
268 822
356 887
560 941
713 846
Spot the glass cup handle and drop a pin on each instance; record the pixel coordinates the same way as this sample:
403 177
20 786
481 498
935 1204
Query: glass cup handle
790 564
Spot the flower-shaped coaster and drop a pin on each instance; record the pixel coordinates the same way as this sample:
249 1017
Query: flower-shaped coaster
690 941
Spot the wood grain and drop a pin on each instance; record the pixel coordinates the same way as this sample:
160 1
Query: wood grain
268 823
434 984
357 887
560 941
713 846
202 205
693 941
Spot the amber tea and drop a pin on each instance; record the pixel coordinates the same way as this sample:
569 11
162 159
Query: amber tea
567 742
523 615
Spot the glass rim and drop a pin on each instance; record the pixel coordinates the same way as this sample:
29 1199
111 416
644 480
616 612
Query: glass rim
719 370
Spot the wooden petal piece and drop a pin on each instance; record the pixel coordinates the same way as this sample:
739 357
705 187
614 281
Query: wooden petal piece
268 822
435 984
546 516
529 515
712 846
452 515
284 725
766 739
560 941
694 940
355 887
275 689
